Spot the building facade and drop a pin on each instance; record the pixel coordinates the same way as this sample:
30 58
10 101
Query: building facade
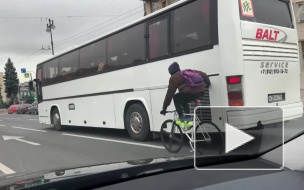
2 87
154 5
298 7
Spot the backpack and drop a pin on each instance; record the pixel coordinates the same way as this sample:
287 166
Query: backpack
192 78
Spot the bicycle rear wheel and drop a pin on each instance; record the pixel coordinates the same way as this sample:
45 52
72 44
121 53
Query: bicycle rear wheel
209 139
171 136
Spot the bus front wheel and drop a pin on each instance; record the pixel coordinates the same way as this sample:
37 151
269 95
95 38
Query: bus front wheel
137 123
56 120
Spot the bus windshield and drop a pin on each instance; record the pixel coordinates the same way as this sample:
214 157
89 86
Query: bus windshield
273 12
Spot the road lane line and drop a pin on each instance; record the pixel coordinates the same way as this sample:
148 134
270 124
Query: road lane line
12 118
1 120
2 125
32 119
28 142
17 138
117 141
29 129
6 170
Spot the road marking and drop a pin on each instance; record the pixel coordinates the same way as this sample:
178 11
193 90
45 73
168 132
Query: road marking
1 120
117 141
13 118
32 119
2 125
18 139
29 129
6 170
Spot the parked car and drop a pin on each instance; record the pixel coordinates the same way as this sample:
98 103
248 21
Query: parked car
33 108
23 108
12 109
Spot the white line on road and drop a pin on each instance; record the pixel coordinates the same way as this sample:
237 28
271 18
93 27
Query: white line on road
6 170
12 118
18 139
117 141
2 125
1 120
29 129
32 119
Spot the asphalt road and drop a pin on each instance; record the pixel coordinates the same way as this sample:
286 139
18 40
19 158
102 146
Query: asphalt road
43 148
27 146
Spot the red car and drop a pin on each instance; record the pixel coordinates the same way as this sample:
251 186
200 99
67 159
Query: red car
13 109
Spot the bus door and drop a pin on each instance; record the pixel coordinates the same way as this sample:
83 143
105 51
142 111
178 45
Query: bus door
39 84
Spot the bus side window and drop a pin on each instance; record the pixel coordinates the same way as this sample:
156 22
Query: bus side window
126 48
68 66
50 72
91 57
191 26
158 38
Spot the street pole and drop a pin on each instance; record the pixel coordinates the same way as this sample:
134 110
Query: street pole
33 83
52 42
49 28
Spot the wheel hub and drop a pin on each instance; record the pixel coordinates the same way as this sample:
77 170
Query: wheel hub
56 119
136 122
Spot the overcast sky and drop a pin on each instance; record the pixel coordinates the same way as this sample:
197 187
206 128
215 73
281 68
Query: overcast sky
23 25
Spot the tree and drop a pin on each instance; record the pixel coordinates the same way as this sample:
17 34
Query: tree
11 81
13 99
1 98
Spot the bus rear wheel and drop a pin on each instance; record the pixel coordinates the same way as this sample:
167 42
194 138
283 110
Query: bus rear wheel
137 123
56 120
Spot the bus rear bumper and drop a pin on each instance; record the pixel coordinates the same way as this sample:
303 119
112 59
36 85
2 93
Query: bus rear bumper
245 119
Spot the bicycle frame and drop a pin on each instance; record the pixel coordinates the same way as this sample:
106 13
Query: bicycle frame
191 136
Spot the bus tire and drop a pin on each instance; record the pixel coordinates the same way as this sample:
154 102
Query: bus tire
56 120
137 123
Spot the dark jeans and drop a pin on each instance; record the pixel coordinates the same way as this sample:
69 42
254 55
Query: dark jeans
181 102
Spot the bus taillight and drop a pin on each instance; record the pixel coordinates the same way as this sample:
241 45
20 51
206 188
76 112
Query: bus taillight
235 91
235 95
234 80
236 102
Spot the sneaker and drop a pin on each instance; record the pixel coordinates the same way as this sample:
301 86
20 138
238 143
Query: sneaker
188 125
180 123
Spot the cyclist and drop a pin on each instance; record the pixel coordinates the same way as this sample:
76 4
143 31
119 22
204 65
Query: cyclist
190 84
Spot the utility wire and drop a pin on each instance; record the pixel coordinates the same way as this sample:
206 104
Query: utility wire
97 25
96 29
19 62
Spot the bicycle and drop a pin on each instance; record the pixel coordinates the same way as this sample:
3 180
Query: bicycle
206 132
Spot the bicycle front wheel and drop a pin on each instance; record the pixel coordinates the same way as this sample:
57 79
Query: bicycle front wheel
171 136
209 139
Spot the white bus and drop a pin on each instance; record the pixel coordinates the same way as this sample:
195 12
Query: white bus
249 49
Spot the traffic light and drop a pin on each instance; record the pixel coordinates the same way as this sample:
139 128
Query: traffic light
35 98
31 85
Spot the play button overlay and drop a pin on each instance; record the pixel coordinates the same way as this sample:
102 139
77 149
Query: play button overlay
239 138
235 138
